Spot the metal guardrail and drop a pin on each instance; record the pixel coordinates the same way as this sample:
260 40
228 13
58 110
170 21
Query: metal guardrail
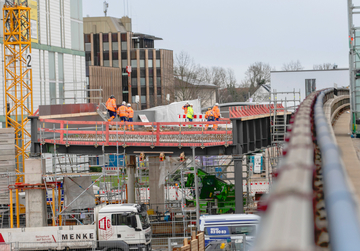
289 222
343 224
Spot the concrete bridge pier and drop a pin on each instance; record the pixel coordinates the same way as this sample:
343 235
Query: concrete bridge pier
238 166
35 199
130 171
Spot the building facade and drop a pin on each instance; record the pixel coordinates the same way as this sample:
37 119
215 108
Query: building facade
307 81
110 47
58 57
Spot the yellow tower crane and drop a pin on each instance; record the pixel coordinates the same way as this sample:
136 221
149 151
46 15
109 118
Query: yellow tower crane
18 78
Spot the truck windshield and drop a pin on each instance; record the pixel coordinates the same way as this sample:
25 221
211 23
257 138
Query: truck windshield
120 220
144 221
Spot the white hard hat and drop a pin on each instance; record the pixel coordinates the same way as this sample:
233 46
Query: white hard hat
191 104
187 102
216 103
124 103
129 104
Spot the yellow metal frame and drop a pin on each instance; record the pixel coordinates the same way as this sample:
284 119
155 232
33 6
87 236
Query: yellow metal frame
18 79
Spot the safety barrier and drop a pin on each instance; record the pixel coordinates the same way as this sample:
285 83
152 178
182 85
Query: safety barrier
310 199
253 110
344 228
111 134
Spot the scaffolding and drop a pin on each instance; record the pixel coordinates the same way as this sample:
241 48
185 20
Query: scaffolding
354 66
18 77
280 120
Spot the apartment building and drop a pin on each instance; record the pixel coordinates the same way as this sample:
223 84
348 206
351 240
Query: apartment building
111 46
58 57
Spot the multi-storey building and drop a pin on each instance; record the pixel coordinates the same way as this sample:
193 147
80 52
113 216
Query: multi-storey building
58 57
111 46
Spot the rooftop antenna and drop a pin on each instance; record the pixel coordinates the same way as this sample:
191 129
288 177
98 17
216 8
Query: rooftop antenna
106 6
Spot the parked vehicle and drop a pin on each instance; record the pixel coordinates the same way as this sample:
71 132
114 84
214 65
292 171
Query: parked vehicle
117 227
229 226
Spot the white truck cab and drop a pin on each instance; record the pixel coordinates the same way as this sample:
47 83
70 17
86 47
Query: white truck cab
125 222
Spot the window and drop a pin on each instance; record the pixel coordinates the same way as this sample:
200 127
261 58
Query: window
142 63
158 81
114 37
247 230
115 46
150 54
134 81
77 34
61 93
158 63
124 63
158 90
61 66
142 81
151 82
150 63
52 89
142 54
115 59
52 71
106 59
106 46
123 46
310 86
96 47
143 99
120 220
133 63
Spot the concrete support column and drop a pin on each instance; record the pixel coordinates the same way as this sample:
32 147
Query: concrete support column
157 182
130 171
35 199
239 206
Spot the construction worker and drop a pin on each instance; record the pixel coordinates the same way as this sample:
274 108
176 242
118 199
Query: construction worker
130 115
111 107
190 114
209 115
122 113
216 111
185 107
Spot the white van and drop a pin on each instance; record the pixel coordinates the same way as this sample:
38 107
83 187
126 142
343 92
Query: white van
228 226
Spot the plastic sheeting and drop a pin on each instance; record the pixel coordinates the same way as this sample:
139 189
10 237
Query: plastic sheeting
170 113
73 187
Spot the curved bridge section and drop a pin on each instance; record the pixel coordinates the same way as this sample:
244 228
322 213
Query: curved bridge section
310 202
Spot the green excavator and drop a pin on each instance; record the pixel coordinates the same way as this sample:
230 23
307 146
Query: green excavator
216 196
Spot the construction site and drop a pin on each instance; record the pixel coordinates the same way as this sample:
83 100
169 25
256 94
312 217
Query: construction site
61 164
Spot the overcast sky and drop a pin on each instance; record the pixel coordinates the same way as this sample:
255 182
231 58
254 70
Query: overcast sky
236 33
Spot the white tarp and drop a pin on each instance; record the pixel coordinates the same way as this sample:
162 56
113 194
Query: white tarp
73 187
170 113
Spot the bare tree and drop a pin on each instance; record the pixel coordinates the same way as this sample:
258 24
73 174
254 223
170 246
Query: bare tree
256 75
190 81
292 66
324 66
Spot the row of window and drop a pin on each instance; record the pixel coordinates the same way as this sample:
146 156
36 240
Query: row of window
52 78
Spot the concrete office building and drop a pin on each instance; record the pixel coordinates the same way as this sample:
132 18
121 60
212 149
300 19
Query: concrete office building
58 57
110 46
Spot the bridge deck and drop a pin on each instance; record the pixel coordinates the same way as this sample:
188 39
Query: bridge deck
349 152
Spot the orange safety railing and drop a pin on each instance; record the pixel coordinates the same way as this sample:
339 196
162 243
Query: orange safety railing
156 134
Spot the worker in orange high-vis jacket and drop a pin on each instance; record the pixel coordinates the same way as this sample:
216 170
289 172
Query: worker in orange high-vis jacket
111 107
185 107
209 115
122 113
216 111
130 115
